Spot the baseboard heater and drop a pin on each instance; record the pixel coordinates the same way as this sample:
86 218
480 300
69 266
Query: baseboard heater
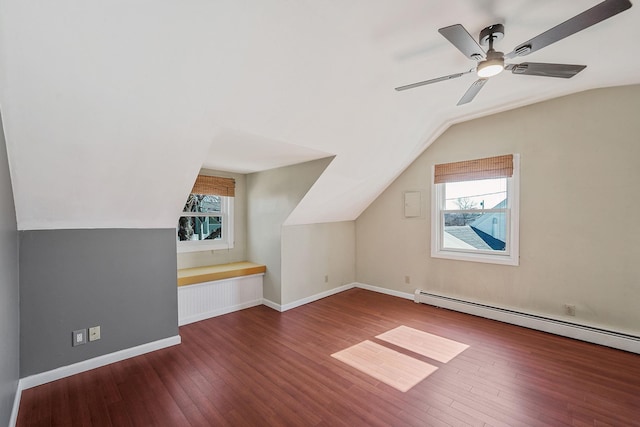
594 335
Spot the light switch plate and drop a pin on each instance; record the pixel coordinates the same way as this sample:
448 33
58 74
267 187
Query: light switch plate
79 337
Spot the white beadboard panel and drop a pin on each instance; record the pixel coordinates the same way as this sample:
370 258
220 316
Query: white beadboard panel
210 299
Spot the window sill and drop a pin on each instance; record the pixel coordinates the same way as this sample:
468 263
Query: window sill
484 258
201 246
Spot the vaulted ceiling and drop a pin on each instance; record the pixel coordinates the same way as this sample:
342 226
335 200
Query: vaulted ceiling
111 108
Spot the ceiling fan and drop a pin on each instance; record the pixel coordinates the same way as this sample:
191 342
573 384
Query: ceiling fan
491 62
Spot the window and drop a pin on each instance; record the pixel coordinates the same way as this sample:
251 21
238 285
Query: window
206 221
475 210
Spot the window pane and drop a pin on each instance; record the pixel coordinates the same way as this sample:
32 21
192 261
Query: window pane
481 194
202 203
199 228
475 231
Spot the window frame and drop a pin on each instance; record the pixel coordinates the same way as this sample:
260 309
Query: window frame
226 242
511 255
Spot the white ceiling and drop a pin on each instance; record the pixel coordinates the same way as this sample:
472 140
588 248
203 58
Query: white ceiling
111 108
241 152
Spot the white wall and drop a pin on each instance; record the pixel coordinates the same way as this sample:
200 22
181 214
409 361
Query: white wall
579 227
316 258
297 257
239 251
271 196
9 291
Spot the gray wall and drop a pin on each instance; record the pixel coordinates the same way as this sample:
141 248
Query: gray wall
271 197
121 279
579 201
9 291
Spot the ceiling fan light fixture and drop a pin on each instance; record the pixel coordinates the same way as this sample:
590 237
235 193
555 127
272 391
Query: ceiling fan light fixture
491 67
493 63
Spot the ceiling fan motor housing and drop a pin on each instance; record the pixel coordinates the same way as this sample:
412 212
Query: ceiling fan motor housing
492 33
494 64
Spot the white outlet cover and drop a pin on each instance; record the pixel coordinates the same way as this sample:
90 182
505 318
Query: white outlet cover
94 333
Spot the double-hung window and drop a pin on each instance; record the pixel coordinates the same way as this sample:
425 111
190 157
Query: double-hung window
206 221
475 210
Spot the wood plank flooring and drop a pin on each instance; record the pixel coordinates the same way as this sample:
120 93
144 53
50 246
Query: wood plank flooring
258 367
398 370
424 343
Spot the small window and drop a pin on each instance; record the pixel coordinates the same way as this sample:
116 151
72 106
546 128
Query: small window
475 210
196 226
206 221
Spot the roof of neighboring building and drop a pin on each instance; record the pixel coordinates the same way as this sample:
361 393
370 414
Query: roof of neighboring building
467 235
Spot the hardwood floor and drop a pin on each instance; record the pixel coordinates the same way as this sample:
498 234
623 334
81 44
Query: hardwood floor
258 367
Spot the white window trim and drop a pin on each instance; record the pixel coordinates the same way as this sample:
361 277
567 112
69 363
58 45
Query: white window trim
512 255
210 245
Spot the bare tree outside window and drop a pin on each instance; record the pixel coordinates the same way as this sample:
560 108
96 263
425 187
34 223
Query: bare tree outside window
466 203
463 218
208 225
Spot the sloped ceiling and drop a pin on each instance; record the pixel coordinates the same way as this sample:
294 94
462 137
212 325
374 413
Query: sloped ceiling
111 108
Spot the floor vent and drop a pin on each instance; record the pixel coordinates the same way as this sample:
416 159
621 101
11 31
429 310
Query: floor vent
605 337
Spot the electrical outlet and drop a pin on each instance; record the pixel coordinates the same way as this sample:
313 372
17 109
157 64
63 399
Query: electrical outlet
79 337
94 333
569 309
407 280
326 278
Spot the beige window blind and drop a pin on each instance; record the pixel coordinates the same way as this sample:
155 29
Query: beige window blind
471 170
214 186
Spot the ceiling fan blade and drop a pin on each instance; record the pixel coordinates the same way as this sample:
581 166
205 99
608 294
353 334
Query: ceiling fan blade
565 71
436 80
460 38
472 91
598 13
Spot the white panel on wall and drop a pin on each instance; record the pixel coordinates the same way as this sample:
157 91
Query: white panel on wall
210 299
412 204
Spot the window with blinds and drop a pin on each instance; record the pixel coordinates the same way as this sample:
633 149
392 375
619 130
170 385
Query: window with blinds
206 221
475 210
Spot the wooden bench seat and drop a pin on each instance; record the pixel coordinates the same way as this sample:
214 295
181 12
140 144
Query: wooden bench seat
190 276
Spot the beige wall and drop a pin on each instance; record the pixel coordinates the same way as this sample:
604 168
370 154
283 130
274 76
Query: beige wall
316 258
239 251
272 195
579 227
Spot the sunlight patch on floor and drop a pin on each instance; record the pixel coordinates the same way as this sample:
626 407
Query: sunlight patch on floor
389 366
426 344
396 369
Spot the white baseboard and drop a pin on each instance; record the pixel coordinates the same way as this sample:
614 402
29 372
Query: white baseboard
307 300
219 312
85 365
316 297
384 291
271 304
334 291
96 362
16 406
560 327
